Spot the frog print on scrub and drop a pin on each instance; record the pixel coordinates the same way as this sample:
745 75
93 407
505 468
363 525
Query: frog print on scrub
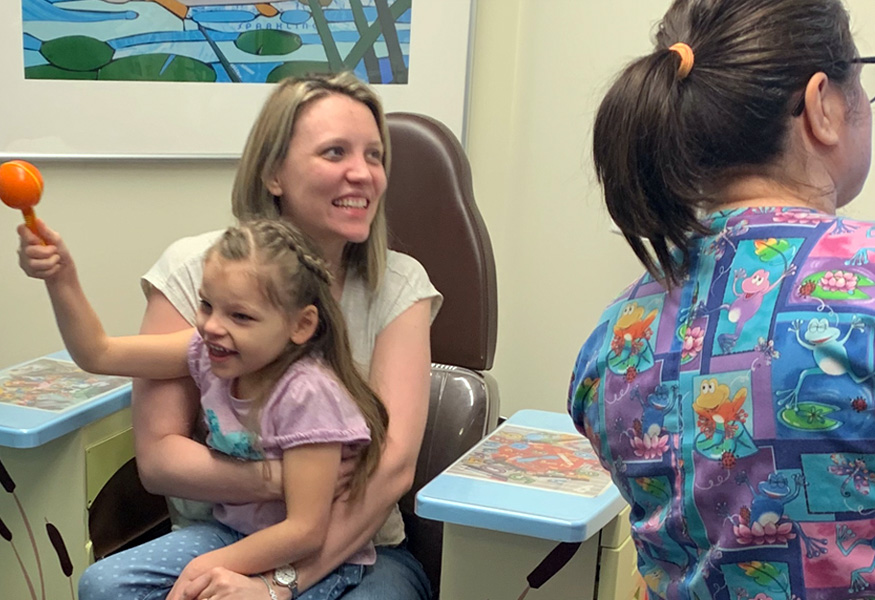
631 349
737 412
750 296
828 347
721 421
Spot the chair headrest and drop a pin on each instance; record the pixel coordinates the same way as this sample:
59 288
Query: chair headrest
433 217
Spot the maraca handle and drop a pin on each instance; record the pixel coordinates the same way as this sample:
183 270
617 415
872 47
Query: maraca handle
30 221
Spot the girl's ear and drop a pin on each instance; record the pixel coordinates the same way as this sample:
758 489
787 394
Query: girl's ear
825 107
304 325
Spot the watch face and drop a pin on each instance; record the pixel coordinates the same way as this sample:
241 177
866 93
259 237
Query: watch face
286 575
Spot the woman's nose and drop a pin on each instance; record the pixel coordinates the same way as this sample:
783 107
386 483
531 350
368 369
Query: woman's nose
359 169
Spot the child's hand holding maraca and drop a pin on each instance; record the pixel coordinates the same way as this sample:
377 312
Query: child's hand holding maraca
21 186
42 255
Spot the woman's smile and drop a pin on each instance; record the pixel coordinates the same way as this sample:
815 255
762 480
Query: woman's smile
332 179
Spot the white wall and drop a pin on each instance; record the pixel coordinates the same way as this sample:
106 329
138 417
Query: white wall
116 217
539 70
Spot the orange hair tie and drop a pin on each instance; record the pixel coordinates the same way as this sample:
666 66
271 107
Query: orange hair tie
687 58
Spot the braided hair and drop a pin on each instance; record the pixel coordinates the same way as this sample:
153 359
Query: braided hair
294 276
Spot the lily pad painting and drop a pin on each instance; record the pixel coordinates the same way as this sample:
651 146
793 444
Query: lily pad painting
225 41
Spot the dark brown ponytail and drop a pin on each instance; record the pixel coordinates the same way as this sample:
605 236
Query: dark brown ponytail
662 144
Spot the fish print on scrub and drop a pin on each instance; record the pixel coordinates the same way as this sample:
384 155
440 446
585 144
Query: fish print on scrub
736 414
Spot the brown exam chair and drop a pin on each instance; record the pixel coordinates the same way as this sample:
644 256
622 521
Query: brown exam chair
432 216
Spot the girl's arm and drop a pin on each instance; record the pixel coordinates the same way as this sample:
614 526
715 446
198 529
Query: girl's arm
136 356
400 370
164 417
309 475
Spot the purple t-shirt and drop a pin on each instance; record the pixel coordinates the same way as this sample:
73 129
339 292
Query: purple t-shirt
307 406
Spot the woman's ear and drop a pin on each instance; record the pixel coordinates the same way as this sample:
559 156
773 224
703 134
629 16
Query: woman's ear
304 325
273 185
825 108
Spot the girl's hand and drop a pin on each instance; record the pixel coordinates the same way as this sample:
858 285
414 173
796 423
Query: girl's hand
221 584
39 260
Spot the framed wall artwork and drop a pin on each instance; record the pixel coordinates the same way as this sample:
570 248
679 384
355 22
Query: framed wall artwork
186 78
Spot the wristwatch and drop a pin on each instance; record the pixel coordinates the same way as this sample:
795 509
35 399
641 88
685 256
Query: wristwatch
287 576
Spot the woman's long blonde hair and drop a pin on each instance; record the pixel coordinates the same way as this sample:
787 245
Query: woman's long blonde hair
267 147
292 275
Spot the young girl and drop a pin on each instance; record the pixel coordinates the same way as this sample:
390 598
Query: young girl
271 359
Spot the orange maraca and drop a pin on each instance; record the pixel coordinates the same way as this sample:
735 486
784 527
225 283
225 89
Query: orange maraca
21 186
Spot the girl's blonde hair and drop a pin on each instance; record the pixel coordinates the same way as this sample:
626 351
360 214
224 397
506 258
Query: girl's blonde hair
292 276
267 147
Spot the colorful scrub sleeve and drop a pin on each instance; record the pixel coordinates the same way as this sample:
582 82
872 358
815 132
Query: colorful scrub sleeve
736 413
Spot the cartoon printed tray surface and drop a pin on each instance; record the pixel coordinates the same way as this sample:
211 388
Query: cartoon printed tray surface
45 398
534 475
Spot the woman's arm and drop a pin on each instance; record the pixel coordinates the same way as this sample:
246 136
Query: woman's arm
309 473
164 416
158 357
400 369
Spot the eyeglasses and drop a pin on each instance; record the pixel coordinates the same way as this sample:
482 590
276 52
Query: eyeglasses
867 79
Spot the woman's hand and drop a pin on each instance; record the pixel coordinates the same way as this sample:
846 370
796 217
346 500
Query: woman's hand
41 258
165 414
183 588
400 369
218 583
344 476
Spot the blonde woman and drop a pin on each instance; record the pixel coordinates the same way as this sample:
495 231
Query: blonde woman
317 157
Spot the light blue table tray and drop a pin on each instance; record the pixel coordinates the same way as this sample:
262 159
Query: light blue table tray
521 510
26 427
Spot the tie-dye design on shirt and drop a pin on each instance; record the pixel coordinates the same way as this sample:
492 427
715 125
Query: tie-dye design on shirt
736 414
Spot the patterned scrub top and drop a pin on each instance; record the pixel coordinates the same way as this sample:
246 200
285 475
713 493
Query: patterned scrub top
736 414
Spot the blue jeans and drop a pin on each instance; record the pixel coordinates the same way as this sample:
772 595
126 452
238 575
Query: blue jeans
148 571
396 575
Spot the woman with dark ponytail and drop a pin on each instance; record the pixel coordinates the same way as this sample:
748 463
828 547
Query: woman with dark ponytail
730 389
